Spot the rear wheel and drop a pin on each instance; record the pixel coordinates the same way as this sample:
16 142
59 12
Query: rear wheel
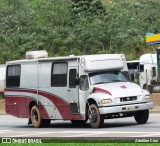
36 118
96 120
141 117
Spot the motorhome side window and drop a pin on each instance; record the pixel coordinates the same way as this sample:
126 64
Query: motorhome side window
59 75
84 83
72 78
13 76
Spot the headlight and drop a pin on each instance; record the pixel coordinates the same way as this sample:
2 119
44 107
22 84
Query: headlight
147 97
105 101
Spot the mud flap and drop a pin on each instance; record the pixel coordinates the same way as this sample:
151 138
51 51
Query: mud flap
74 108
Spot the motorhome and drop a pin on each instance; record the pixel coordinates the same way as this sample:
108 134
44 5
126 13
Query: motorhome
75 88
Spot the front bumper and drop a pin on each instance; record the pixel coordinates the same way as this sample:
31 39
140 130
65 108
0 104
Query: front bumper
125 108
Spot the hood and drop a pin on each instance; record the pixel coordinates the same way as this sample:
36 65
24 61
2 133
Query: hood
120 89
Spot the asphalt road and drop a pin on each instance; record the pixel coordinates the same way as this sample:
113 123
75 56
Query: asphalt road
125 127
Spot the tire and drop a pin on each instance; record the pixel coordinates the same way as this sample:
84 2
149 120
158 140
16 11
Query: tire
141 117
96 120
36 119
78 122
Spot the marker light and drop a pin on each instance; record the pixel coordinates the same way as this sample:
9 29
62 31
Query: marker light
147 97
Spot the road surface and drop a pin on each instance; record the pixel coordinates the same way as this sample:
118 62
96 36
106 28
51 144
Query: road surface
125 127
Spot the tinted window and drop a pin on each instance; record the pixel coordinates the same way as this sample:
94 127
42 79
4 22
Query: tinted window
59 75
72 78
13 76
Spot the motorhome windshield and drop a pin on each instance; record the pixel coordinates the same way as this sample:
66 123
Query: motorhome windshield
107 77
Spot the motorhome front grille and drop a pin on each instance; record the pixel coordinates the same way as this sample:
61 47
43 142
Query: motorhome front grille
132 98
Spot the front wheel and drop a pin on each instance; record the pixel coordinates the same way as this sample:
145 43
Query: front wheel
96 120
141 117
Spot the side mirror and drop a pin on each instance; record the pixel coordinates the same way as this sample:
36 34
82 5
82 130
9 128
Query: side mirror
153 71
141 68
77 81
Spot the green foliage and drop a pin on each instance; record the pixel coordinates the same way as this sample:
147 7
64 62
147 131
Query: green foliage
64 27
128 23
87 7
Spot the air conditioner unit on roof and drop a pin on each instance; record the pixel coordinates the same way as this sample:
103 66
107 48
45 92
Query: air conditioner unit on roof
36 54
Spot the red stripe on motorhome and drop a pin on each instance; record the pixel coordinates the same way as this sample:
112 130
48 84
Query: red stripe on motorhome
19 106
62 106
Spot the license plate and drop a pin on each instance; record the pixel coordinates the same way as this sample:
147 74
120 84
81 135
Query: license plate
130 108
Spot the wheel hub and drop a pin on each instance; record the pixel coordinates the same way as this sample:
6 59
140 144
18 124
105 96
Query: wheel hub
93 115
35 116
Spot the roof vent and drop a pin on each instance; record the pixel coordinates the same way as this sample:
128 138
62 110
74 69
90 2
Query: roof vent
36 54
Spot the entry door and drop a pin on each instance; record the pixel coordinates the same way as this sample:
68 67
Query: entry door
73 94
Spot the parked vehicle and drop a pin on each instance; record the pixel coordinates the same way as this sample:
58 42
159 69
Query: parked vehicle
75 88
148 72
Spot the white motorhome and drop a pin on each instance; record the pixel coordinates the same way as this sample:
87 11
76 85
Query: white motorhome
75 88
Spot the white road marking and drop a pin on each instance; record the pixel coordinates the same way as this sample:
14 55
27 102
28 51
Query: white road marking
31 134
82 135
78 133
86 133
5 131
107 132
148 135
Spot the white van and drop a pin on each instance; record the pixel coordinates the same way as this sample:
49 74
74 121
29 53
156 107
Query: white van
75 88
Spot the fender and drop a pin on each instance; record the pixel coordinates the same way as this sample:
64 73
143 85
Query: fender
145 92
98 97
